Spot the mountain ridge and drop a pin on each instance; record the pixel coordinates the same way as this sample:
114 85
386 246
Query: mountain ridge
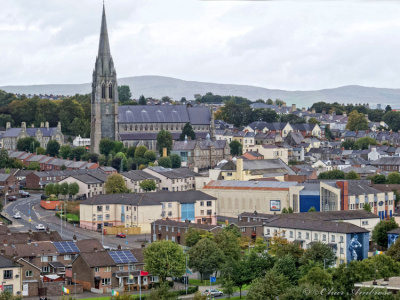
159 86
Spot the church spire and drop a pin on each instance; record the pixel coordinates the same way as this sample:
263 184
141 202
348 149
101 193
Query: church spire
104 45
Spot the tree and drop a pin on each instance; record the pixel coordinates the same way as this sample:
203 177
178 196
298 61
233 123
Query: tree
349 145
292 119
334 174
356 121
28 144
394 250
379 234
34 165
367 207
165 162
187 131
164 140
130 152
175 161
319 253
142 100
286 266
378 179
313 121
388 108
166 99
106 146
268 287
164 258
73 189
392 118
115 184
77 152
352 175
40 151
193 235
317 276
65 151
124 93
365 142
49 189
64 188
228 242
238 273
148 185
236 148
259 264
4 158
312 209
205 257
266 115
183 100
150 155
393 178
52 148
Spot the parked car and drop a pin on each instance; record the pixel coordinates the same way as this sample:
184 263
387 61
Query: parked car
12 198
40 227
213 292
17 215
43 197
24 194
121 235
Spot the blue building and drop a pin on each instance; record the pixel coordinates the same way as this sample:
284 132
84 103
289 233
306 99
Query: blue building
310 197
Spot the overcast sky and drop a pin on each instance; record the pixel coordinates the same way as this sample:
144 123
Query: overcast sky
274 44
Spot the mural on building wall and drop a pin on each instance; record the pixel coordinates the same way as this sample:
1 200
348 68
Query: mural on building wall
357 246
392 238
275 205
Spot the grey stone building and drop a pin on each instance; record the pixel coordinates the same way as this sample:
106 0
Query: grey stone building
104 104
135 124
42 134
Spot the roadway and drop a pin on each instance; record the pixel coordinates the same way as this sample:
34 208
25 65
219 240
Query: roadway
33 214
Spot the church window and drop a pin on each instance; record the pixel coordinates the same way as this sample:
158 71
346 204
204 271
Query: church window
110 91
103 91
141 127
145 127
130 127
151 127
135 127
126 127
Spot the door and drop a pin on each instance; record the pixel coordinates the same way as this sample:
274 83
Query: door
25 289
97 283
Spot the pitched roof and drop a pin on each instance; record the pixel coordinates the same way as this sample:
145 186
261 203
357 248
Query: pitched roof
173 173
7 263
155 198
139 175
249 185
97 259
89 245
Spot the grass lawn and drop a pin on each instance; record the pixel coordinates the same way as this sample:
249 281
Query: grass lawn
205 282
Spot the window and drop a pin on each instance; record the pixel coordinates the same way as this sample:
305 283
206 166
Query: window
99 217
121 268
54 258
99 208
96 269
299 235
202 212
103 91
28 273
332 238
307 235
131 267
291 234
45 269
8 288
107 207
341 250
108 269
209 212
201 203
315 236
170 213
67 257
169 205
209 203
44 258
7 274
268 231
107 217
341 239
106 281
110 91
243 229
324 237
365 222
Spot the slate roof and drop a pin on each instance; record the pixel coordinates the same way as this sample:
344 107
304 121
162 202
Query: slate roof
139 175
203 144
173 173
153 135
155 198
163 114
14 132
7 263
249 185
89 245
185 224
97 259
4 177
392 160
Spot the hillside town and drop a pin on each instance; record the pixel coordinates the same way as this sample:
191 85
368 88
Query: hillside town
105 196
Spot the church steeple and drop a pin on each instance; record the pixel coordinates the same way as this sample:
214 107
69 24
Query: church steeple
104 45
104 112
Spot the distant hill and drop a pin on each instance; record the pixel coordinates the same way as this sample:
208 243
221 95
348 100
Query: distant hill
159 86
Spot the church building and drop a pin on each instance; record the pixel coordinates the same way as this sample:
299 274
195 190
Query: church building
135 124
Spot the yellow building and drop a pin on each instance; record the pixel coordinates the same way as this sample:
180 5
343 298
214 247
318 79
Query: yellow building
10 276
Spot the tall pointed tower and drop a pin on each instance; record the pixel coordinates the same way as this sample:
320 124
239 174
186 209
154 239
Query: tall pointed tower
104 104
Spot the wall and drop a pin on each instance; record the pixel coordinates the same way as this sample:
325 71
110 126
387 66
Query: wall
357 246
50 205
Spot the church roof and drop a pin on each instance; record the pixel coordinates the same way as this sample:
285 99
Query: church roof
163 114
104 45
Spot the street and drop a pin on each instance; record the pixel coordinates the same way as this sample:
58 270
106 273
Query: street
29 208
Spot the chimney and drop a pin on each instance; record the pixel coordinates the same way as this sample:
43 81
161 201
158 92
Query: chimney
29 241
48 230
47 125
5 243
8 125
95 249
74 238
23 126
119 247
30 232
344 114
164 152
32 125
293 108
59 126
303 109
313 111
2 251
41 124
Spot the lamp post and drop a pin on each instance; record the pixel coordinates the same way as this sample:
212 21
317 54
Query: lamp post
75 284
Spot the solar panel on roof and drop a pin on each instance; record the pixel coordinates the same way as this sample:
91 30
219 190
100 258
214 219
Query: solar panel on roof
122 257
66 247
